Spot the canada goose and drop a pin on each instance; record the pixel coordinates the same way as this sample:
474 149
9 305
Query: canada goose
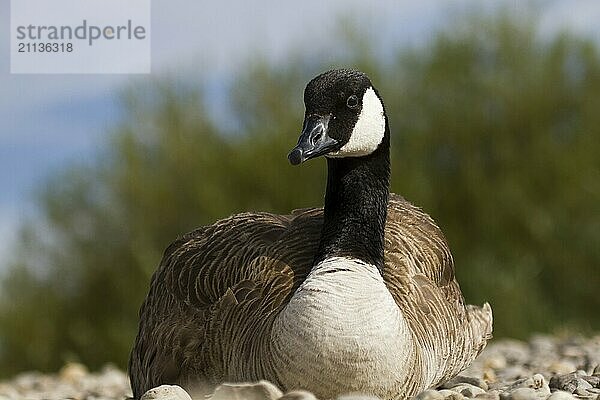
332 301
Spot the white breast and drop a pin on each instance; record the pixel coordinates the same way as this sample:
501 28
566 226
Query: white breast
342 329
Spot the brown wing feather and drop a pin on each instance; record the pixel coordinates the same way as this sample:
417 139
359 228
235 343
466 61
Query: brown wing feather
241 268
419 272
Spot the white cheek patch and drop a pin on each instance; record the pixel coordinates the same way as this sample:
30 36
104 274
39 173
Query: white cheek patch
368 131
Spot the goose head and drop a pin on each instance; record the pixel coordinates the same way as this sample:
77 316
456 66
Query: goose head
344 117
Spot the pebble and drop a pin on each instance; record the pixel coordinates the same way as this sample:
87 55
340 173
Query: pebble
560 395
429 394
544 368
562 367
497 362
523 393
73 372
491 395
592 380
582 387
537 381
467 390
517 352
489 376
262 390
451 395
298 395
8 392
542 344
166 392
574 382
512 372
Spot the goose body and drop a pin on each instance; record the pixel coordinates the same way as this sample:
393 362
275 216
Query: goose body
359 296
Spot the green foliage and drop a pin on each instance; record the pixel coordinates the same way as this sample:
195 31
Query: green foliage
495 134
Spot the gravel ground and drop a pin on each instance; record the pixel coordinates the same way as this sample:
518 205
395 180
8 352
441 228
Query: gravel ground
544 368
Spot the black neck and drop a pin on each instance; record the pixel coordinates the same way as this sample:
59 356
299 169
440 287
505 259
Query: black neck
356 207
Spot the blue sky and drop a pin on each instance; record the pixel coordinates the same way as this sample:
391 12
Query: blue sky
49 121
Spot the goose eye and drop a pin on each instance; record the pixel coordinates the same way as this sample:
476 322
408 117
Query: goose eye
352 101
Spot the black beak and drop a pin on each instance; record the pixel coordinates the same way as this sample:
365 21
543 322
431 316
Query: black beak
313 141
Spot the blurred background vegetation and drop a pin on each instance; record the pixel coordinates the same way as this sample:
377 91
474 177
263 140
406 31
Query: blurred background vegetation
496 134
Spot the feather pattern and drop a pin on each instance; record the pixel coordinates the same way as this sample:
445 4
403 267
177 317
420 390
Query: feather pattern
214 301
